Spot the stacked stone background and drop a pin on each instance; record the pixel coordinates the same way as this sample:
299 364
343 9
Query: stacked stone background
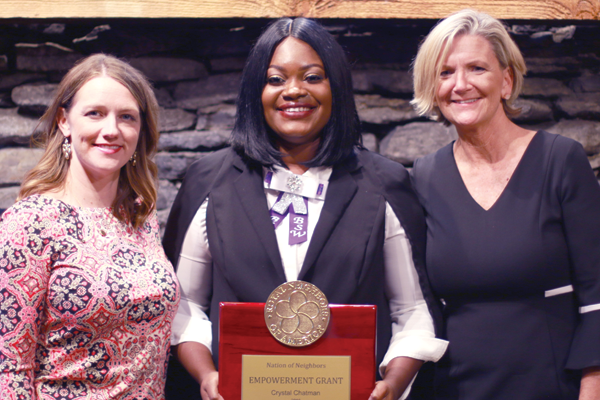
195 66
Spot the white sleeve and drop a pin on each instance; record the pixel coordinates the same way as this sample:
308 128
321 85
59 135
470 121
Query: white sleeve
194 271
413 334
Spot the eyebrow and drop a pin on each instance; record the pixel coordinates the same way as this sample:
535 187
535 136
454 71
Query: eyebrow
304 67
470 63
124 109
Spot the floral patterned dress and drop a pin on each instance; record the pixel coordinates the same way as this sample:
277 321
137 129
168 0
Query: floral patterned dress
86 304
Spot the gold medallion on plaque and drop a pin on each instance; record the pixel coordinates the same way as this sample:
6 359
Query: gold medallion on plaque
297 313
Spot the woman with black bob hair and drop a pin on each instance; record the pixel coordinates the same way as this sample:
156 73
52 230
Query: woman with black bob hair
252 136
297 197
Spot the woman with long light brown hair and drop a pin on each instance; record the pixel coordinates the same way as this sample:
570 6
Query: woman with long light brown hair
88 294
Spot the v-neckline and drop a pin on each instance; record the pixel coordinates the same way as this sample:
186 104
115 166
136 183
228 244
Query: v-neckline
464 186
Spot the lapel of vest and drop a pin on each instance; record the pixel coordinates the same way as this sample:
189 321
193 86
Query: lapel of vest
340 192
251 198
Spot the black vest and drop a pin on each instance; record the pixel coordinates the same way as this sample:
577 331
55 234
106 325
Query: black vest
345 255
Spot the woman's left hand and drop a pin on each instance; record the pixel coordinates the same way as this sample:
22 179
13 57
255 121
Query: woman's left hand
399 373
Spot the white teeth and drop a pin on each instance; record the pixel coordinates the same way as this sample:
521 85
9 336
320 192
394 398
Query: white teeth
297 109
465 101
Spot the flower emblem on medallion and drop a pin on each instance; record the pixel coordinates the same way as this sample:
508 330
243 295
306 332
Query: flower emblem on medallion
297 313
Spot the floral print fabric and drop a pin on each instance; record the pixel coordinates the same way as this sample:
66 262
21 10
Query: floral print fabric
86 304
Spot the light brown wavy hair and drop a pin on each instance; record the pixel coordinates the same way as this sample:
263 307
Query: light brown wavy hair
136 192
436 46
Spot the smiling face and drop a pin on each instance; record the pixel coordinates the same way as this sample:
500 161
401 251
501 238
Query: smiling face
472 84
103 124
297 95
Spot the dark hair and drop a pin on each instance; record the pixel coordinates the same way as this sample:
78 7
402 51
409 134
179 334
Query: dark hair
253 138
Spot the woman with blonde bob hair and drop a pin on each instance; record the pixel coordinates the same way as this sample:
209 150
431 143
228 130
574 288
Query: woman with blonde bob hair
513 227
88 294
438 43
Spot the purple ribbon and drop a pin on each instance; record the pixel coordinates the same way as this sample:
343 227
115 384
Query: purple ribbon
298 222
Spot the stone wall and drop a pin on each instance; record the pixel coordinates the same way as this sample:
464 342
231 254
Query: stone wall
195 67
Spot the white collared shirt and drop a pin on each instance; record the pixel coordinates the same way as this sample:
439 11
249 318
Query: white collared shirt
412 325
292 257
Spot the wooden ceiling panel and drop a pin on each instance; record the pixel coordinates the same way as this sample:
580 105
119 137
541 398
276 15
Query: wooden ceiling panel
401 9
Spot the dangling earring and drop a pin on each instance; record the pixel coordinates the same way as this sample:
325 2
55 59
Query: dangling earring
133 159
66 148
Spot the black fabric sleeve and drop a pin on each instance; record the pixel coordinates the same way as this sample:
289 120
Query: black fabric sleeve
196 186
580 202
399 193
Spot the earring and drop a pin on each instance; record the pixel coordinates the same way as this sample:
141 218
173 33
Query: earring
133 159
66 148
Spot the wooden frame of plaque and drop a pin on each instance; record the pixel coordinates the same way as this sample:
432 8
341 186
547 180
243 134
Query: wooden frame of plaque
351 332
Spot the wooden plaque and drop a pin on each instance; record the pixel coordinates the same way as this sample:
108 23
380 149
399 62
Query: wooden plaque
243 331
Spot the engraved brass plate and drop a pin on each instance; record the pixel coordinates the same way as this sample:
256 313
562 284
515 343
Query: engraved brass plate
296 377
297 313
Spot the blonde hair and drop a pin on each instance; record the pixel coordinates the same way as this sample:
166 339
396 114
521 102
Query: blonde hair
434 49
136 193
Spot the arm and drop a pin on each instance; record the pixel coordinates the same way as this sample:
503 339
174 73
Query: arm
192 333
590 384
197 359
579 200
23 259
399 374
413 338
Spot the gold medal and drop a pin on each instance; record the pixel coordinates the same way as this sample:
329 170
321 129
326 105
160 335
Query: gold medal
297 313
